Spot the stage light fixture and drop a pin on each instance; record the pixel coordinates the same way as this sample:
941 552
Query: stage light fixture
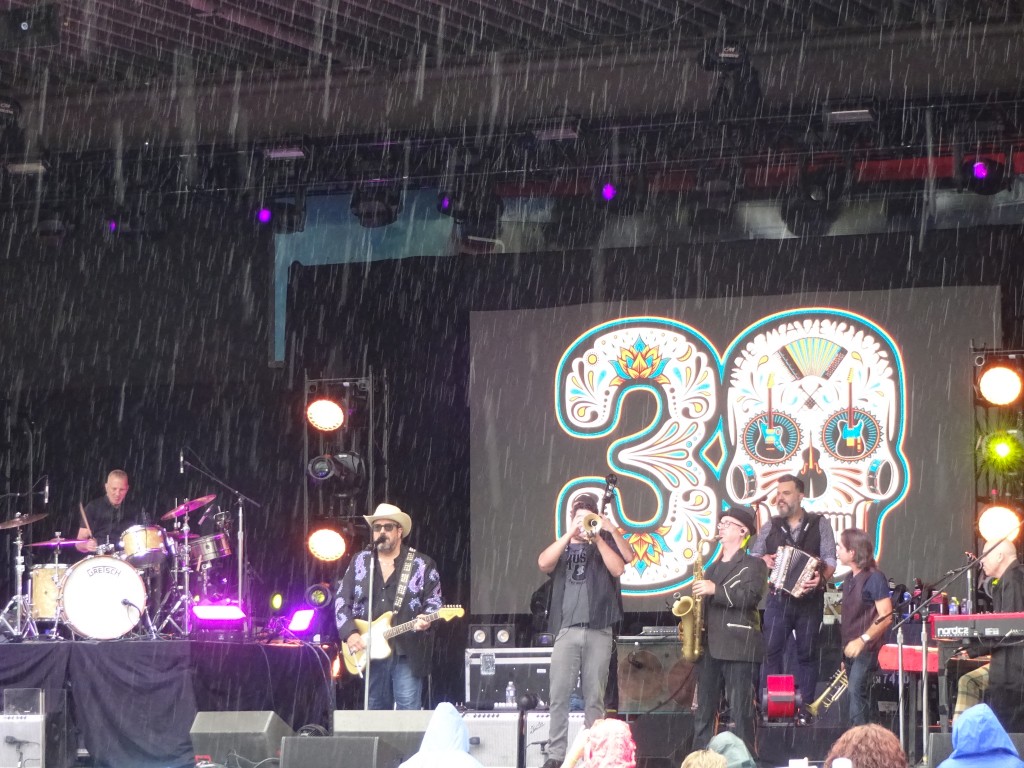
325 415
620 195
346 470
376 202
326 544
301 620
319 595
983 175
998 520
1003 452
276 602
1000 381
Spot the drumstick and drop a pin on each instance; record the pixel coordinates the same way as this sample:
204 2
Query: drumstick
85 520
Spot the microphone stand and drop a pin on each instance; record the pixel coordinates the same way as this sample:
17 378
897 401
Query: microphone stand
241 499
369 619
923 611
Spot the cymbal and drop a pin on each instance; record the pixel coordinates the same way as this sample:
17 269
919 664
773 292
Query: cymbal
58 543
17 522
189 506
182 534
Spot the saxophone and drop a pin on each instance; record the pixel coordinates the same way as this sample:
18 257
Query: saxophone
690 612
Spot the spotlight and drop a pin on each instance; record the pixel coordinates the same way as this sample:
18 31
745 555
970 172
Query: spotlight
997 521
347 470
1002 452
1000 381
326 544
983 176
219 619
276 602
318 595
325 415
623 196
285 217
301 620
376 203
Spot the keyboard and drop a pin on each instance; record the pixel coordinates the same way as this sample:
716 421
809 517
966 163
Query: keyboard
972 625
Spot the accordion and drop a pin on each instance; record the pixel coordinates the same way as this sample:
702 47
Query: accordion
792 566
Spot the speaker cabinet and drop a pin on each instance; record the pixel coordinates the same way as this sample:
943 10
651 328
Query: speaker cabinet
254 736
493 736
22 740
401 729
338 752
492 635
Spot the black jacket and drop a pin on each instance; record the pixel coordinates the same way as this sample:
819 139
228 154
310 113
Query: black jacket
730 615
1007 668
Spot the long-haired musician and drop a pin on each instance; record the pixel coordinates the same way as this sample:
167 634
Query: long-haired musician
731 589
867 614
785 615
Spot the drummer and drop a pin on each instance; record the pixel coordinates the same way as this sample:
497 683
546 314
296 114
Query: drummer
108 515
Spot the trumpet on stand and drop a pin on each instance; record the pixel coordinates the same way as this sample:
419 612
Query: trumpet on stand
836 687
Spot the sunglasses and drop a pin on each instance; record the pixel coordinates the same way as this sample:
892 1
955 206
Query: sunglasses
386 527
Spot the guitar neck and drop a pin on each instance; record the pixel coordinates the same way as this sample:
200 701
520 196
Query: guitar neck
407 626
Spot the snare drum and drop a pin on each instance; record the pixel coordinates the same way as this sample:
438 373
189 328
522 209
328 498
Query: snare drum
102 597
46 580
206 549
145 546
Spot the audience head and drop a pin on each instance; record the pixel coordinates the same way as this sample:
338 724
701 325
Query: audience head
731 747
868 746
609 745
704 758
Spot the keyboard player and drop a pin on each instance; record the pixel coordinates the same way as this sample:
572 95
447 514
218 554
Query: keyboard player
1006 671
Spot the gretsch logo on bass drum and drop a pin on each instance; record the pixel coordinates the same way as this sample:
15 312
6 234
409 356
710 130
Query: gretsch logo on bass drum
100 569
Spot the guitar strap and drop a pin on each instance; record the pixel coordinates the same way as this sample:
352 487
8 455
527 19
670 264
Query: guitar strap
403 581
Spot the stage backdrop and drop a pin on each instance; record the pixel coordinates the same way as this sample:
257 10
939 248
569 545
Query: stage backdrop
697 404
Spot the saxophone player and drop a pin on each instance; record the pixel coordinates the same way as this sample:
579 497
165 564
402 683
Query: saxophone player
731 590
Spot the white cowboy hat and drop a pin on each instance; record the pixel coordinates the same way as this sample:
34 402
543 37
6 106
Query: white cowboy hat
392 513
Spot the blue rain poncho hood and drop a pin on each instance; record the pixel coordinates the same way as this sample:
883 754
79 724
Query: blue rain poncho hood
979 741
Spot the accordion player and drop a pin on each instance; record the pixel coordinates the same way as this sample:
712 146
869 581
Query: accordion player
792 567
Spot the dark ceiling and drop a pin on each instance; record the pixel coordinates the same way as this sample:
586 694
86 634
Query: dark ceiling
118 73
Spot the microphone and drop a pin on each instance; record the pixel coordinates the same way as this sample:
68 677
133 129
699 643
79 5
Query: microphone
16 742
46 491
181 462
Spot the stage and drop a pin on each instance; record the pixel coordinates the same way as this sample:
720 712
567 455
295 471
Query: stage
133 701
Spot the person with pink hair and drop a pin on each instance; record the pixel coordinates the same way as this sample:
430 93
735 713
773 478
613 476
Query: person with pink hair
607 743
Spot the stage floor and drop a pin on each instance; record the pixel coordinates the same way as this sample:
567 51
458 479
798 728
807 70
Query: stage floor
133 701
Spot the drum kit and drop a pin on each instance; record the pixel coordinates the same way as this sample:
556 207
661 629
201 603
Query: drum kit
105 595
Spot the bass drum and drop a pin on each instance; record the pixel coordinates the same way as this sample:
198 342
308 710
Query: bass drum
102 598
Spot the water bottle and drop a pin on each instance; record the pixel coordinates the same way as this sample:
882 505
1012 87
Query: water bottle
510 693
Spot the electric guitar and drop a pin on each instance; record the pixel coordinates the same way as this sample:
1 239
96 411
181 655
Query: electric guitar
377 634
852 430
771 436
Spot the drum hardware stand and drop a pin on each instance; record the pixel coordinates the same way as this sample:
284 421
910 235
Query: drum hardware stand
56 583
241 499
184 600
24 625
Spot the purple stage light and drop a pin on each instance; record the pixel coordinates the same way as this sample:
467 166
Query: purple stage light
608 192
446 203
264 216
112 225
301 620
980 169
206 612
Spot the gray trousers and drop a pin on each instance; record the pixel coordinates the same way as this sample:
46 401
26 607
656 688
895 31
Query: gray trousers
584 653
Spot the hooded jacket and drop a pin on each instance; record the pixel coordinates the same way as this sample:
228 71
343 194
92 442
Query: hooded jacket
731 747
445 742
979 741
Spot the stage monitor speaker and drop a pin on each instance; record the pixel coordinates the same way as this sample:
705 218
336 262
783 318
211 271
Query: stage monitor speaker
401 728
254 736
338 752
940 746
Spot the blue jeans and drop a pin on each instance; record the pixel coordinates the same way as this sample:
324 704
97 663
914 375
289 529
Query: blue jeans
393 686
860 672
784 617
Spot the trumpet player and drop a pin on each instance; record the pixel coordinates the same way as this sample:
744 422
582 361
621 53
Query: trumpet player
867 614
584 564
731 589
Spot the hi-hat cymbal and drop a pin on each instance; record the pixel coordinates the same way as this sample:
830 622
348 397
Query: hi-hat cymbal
188 506
182 534
21 520
59 543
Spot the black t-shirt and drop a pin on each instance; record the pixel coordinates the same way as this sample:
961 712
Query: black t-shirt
108 522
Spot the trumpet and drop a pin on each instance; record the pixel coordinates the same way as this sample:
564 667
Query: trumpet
835 688
591 525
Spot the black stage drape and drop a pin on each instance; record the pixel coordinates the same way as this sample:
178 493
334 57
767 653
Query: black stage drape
134 701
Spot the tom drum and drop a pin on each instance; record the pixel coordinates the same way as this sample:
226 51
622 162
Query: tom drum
102 598
209 548
145 546
46 581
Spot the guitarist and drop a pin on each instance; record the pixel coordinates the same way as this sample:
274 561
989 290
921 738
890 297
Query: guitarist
405 581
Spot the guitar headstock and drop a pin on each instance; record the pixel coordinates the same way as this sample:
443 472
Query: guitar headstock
449 612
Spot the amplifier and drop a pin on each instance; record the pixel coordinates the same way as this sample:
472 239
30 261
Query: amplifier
22 740
493 736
